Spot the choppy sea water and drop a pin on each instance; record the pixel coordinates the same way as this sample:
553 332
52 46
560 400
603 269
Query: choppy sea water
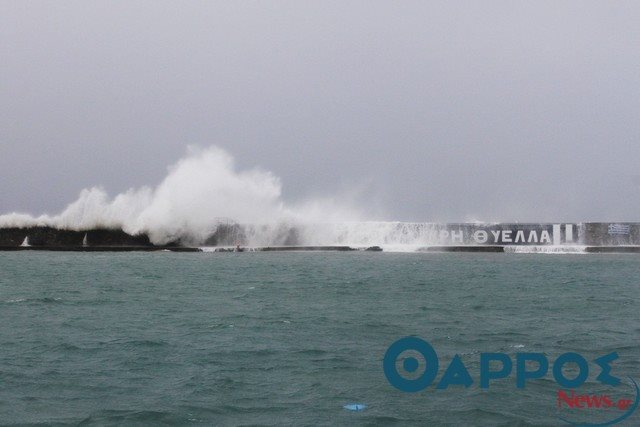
290 338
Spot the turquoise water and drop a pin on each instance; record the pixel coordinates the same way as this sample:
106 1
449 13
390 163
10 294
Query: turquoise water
290 338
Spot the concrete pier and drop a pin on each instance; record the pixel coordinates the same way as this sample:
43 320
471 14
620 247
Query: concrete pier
590 237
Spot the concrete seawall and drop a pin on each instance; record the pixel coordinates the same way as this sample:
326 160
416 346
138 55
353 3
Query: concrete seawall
456 237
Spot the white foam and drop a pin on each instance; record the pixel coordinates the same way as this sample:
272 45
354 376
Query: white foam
549 249
204 191
401 248
190 202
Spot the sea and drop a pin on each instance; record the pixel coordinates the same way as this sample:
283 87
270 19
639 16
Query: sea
268 338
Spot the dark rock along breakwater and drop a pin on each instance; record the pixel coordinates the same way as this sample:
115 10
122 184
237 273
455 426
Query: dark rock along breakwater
455 237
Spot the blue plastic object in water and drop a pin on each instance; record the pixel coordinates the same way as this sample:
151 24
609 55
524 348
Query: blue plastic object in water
355 407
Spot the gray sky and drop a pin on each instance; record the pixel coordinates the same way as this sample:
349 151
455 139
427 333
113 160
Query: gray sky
426 110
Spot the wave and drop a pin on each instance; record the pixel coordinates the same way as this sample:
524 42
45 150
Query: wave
206 201
200 192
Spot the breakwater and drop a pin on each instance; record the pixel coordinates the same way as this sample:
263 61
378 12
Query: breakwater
453 237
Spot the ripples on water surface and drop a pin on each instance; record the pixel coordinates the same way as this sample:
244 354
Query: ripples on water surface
289 338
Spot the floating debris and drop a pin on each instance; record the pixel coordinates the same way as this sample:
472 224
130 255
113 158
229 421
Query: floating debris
355 407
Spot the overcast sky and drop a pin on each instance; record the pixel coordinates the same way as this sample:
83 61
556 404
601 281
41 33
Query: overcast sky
440 111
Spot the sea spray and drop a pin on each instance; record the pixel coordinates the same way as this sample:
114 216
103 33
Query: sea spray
200 192
206 201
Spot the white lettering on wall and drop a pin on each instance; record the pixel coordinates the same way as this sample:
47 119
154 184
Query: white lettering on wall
457 236
480 236
544 237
